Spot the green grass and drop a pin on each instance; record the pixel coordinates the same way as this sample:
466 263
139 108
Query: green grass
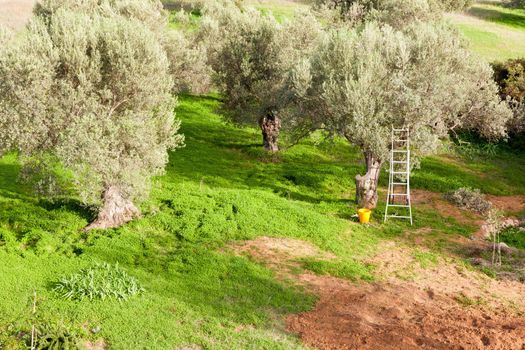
280 9
342 269
220 188
494 11
425 259
493 30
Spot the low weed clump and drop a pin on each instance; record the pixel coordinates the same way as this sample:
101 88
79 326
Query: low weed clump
426 259
351 270
469 199
100 281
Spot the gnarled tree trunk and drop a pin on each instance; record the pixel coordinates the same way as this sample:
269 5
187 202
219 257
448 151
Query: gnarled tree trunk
366 186
270 126
116 210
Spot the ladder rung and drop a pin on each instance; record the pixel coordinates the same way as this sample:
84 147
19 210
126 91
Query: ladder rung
400 161
400 183
400 173
400 151
400 140
398 217
398 205
399 194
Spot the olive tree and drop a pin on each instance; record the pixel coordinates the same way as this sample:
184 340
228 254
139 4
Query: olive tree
188 62
397 13
187 59
360 83
250 54
89 89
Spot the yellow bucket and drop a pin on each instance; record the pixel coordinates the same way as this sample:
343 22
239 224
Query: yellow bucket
364 215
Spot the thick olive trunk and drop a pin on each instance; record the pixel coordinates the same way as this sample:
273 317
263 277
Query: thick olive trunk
366 186
116 210
270 127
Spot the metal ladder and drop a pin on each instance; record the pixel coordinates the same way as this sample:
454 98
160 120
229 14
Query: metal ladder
399 175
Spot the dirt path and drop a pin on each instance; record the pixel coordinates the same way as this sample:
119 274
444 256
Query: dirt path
410 307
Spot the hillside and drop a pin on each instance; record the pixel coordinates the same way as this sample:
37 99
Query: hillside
202 287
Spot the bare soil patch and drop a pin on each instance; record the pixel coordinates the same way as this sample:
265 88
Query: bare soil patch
14 14
437 202
280 254
444 307
97 345
509 204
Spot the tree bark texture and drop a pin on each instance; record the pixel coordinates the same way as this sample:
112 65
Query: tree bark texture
270 127
366 186
116 210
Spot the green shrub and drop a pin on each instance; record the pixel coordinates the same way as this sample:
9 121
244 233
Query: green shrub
473 150
469 199
510 76
515 3
100 281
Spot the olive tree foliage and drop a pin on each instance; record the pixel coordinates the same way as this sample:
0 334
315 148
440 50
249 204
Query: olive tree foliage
5 36
187 59
396 13
88 91
188 62
250 54
149 12
361 82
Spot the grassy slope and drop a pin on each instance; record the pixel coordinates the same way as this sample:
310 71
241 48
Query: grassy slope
220 188
495 32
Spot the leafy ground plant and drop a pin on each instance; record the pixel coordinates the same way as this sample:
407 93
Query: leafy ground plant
100 281
50 337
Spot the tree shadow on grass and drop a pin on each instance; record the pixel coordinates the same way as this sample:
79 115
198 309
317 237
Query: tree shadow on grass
230 157
23 212
88 213
501 17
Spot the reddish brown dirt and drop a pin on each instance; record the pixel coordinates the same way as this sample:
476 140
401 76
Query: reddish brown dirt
98 345
444 307
446 209
510 204
401 316
15 13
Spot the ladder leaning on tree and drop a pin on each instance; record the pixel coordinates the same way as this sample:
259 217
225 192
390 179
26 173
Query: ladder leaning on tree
398 198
